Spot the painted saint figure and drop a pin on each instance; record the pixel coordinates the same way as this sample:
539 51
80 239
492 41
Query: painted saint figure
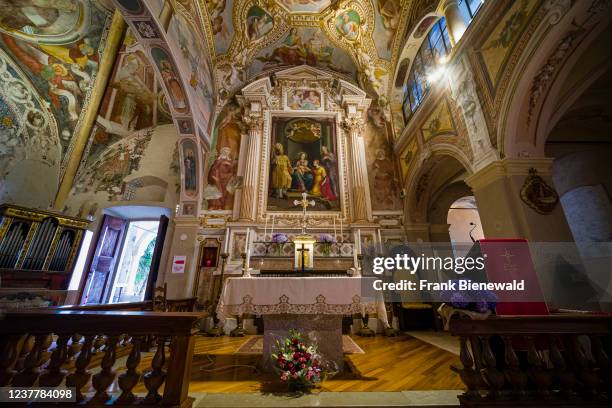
321 185
281 172
189 163
384 177
302 175
174 85
349 27
328 159
220 175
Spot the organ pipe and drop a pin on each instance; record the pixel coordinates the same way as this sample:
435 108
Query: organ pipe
38 241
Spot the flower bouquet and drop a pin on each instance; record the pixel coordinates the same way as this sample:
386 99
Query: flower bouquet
298 365
475 304
279 240
327 240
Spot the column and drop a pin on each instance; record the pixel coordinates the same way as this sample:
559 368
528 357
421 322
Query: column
113 43
248 204
454 21
181 240
360 189
497 188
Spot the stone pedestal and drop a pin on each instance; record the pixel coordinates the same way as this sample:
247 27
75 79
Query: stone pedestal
325 331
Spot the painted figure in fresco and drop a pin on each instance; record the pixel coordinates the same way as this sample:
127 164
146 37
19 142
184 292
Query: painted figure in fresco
173 84
321 184
216 9
281 172
189 163
64 86
349 27
305 100
38 16
302 174
328 159
390 11
258 24
384 177
220 175
289 52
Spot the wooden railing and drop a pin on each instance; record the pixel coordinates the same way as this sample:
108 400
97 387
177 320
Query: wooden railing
51 348
535 360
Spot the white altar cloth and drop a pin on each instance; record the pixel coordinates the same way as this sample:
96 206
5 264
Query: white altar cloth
297 295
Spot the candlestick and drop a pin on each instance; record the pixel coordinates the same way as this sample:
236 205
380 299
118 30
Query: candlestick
341 234
335 232
265 228
227 237
272 232
380 243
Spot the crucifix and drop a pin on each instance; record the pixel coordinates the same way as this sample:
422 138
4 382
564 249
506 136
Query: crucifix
304 203
303 252
303 242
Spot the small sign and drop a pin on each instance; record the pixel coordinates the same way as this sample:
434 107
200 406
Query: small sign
178 263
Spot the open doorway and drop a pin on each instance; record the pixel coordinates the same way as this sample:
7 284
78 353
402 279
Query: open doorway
129 284
126 258
464 224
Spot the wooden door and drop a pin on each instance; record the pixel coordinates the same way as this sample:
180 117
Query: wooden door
105 257
156 258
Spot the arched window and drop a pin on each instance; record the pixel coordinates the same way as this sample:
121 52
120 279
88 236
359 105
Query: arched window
469 8
433 51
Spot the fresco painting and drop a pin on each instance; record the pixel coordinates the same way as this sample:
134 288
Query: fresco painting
171 79
49 21
304 160
222 180
258 23
62 68
133 101
440 122
220 14
496 48
304 99
193 62
303 46
305 6
424 25
382 173
348 23
387 19
407 159
190 168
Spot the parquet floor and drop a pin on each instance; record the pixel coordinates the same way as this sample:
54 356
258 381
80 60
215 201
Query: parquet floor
389 364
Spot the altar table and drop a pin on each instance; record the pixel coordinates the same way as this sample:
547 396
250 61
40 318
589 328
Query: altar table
311 305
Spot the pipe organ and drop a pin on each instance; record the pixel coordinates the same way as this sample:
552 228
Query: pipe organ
38 248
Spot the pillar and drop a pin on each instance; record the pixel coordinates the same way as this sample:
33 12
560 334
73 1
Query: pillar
454 21
497 188
113 43
354 124
248 203
181 239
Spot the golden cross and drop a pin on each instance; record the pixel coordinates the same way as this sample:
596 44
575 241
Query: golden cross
304 202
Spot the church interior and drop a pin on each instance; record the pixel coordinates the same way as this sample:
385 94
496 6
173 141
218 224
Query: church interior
199 200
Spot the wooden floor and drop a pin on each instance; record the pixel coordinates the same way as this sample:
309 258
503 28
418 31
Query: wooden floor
389 364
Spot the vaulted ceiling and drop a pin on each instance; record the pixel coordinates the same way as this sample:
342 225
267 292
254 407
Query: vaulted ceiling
359 40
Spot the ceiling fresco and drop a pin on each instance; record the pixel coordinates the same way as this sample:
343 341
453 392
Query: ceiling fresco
359 40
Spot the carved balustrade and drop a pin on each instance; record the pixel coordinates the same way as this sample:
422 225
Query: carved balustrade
51 348
556 360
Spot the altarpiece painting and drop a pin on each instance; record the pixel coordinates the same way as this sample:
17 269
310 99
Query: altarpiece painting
304 160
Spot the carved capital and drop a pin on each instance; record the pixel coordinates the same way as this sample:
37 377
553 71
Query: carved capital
353 123
253 122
